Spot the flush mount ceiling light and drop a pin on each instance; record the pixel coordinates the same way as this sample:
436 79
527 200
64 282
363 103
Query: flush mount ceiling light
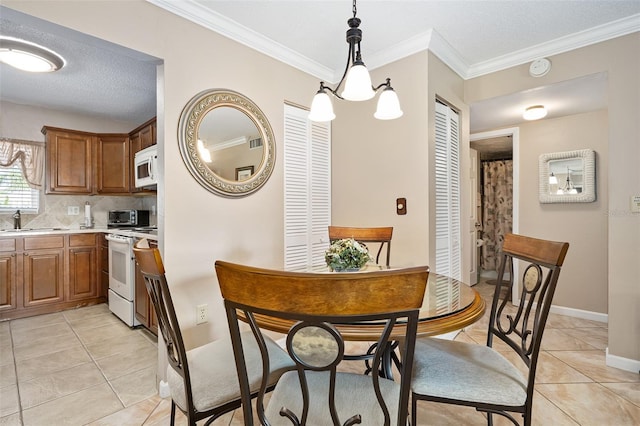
27 56
535 112
357 83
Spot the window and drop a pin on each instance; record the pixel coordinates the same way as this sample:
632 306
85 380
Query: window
15 192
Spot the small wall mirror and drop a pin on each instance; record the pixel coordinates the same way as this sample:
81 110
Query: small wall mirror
226 142
567 177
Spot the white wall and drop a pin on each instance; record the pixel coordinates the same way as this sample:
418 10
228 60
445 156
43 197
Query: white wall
199 227
25 122
614 253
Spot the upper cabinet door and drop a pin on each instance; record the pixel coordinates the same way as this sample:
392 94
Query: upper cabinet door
69 162
148 135
113 164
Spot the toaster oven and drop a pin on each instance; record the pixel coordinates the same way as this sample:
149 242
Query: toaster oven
128 218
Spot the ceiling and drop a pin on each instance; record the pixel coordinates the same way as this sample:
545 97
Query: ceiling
472 37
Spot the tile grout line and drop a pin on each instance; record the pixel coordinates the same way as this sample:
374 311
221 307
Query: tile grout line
84 346
15 371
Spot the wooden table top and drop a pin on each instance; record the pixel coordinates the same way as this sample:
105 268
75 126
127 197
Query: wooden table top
448 305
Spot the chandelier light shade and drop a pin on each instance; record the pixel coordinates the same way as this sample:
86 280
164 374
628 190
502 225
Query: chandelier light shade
535 112
388 105
357 83
357 86
553 180
27 56
321 107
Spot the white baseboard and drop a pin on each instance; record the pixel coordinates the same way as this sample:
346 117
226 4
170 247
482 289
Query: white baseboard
579 313
632 365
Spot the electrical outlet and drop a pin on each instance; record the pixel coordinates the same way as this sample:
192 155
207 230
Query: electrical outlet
73 210
202 314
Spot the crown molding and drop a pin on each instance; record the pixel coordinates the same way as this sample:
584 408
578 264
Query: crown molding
229 28
429 40
577 40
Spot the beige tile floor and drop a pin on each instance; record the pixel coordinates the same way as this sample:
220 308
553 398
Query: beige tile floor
86 367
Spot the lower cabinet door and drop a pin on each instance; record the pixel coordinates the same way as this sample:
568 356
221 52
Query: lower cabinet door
43 277
83 276
7 281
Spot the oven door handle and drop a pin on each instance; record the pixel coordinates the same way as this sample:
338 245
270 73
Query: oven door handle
116 239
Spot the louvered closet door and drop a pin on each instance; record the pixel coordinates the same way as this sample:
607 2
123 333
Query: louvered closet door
307 189
447 170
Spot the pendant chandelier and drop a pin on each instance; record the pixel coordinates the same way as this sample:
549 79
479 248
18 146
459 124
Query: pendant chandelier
357 83
569 188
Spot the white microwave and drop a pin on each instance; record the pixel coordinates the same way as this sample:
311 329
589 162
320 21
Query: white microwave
146 167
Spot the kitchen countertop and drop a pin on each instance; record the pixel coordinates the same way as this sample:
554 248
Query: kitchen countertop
28 232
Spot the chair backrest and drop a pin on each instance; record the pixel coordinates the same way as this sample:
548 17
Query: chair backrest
307 302
522 327
152 269
380 235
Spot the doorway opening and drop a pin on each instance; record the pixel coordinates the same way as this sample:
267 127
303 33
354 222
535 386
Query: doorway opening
497 199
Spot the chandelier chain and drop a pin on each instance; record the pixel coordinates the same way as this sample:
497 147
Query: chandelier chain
355 10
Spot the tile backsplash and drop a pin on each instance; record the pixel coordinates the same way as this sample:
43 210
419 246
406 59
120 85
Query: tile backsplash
54 209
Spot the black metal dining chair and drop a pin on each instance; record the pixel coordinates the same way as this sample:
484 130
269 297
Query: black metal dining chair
203 382
380 235
318 309
479 376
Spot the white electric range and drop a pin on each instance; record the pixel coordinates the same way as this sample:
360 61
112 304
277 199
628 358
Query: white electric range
122 270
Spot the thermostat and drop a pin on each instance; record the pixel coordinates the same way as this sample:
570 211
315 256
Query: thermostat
539 67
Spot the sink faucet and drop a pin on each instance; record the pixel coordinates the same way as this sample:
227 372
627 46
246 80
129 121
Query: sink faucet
16 220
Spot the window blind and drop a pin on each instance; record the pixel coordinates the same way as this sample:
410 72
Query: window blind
15 193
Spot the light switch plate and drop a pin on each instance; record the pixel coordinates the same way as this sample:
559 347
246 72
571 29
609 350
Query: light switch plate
635 204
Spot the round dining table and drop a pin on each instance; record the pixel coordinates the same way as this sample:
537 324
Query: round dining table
448 305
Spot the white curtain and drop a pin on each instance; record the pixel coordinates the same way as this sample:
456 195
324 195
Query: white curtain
30 157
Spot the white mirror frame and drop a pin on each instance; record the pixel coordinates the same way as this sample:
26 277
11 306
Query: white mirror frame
588 194
190 119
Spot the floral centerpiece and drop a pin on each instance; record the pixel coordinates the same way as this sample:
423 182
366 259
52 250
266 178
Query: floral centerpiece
346 254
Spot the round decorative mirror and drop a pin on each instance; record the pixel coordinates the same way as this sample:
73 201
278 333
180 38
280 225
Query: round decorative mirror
226 142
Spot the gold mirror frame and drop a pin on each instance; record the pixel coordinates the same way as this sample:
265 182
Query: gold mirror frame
191 118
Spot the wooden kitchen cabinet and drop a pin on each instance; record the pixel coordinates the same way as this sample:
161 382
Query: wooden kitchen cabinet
8 274
113 164
70 156
43 270
83 266
142 137
83 163
48 273
104 267
144 311
148 134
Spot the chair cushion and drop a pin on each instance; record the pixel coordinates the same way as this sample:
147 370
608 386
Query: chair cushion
214 378
354 395
466 372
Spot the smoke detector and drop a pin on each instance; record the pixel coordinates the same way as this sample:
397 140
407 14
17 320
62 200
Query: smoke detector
539 67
